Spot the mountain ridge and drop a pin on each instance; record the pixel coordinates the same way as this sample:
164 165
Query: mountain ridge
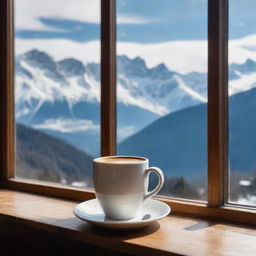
67 92
184 137
43 157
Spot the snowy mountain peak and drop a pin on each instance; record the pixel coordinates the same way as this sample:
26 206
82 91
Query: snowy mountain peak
71 67
245 68
138 61
132 67
39 59
41 80
160 72
250 65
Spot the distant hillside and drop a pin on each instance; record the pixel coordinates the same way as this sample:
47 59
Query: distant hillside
178 142
43 157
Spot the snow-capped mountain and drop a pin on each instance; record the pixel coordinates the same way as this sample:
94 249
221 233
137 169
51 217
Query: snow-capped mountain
62 97
40 79
156 89
242 77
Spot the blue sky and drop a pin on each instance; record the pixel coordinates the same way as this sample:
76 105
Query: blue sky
173 32
143 21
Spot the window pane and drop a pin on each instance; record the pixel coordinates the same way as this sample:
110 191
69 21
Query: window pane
162 90
242 102
57 89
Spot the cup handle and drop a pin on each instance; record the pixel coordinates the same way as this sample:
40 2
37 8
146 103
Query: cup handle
160 175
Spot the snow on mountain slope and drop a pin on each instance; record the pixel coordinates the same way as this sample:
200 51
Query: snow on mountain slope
40 79
243 83
42 82
193 94
157 86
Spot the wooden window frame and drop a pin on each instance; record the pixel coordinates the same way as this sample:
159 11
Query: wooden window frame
216 207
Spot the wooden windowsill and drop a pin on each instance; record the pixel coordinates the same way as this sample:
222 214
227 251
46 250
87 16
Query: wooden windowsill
173 235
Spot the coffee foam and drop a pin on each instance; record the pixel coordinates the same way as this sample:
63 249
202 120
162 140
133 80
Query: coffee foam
120 160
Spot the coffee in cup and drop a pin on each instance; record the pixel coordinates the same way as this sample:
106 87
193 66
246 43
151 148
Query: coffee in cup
121 184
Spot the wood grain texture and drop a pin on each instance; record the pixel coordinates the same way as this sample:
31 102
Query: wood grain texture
229 213
6 91
172 235
217 102
48 189
179 206
108 77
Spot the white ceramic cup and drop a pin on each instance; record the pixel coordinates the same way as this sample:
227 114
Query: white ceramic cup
121 184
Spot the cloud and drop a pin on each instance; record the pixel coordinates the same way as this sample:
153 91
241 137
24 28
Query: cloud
28 13
242 49
180 56
67 125
187 55
131 19
61 48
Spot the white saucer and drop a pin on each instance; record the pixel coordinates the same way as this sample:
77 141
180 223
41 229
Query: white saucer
150 211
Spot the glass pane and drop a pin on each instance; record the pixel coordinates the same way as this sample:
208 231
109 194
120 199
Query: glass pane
242 102
162 90
57 89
